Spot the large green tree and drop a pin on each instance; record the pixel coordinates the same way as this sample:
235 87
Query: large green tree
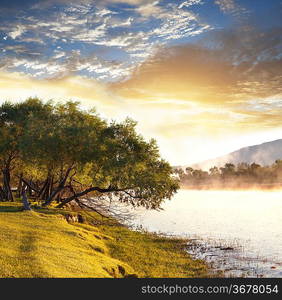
63 153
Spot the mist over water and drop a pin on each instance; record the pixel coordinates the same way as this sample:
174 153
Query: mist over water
249 222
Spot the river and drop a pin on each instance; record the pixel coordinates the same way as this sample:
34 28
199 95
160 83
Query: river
239 232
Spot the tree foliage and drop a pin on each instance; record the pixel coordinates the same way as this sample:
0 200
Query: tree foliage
242 175
59 153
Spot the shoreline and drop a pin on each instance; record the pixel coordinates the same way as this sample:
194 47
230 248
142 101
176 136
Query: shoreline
237 231
53 244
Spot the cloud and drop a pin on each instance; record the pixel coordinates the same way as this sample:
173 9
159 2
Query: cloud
131 60
190 3
18 31
237 66
233 8
150 9
15 5
17 87
227 5
85 25
62 64
226 87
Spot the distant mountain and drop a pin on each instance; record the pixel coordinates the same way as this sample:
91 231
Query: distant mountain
263 154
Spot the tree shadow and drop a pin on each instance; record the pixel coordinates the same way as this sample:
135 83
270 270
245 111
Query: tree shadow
10 208
29 261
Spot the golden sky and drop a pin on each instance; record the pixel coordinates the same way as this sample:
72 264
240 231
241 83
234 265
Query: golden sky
201 91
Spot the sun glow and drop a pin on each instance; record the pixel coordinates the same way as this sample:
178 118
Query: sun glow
187 131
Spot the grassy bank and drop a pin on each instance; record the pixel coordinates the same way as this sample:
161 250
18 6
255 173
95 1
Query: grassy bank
42 243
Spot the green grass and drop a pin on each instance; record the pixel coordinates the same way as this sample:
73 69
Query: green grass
42 243
152 255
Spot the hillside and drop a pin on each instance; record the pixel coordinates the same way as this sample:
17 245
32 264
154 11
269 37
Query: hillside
263 154
43 244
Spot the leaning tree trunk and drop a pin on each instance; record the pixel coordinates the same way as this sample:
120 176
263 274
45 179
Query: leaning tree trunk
29 189
59 189
26 205
2 194
6 185
42 190
20 186
47 188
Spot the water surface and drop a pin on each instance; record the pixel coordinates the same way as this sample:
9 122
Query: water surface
236 231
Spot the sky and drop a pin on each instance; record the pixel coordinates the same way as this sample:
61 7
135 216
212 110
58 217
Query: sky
202 77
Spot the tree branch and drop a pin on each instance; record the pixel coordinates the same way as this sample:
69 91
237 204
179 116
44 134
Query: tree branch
89 190
28 184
